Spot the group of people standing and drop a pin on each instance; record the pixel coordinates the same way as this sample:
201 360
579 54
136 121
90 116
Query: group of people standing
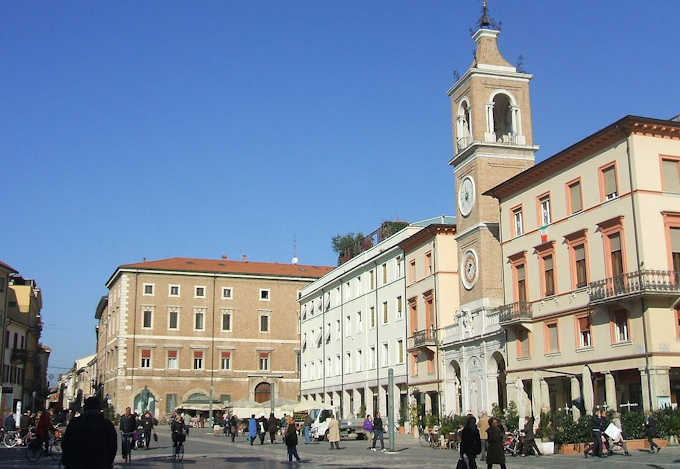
490 447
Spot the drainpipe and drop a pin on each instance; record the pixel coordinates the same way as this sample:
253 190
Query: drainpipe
377 338
323 343
505 331
134 337
342 341
212 355
637 258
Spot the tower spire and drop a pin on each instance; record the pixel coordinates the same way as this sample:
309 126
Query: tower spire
485 21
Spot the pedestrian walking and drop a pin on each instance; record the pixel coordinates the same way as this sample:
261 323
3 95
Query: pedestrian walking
595 448
90 441
604 423
308 428
368 428
252 429
483 426
233 427
650 432
378 430
334 432
471 443
42 429
495 440
272 427
529 438
261 428
148 423
291 440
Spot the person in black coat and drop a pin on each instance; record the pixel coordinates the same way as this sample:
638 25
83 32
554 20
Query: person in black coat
148 423
529 438
272 427
262 428
290 437
90 440
650 432
595 448
495 453
471 443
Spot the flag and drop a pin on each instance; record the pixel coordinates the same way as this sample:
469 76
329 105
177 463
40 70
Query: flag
544 234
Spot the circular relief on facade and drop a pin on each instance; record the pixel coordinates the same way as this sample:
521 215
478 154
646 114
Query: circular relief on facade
466 196
470 268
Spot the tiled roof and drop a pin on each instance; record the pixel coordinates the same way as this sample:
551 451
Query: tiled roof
231 267
8 267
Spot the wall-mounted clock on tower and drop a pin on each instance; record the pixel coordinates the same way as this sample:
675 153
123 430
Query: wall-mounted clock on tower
466 196
470 268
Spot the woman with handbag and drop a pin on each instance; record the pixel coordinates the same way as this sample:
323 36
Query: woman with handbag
495 440
470 445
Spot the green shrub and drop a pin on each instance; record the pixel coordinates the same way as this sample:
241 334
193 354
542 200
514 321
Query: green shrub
511 417
566 431
431 420
545 427
632 424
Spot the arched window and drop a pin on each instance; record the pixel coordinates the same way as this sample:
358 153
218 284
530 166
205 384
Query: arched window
503 119
262 392
464 126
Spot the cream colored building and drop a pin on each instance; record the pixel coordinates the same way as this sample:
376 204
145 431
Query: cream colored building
590 241
431 302
187 330
492 137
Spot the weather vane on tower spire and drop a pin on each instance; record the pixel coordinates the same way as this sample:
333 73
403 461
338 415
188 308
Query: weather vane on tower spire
486 22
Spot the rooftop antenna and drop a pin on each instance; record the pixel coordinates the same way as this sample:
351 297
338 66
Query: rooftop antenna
294 260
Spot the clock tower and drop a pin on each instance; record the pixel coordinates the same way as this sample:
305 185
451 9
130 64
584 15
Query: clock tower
492 142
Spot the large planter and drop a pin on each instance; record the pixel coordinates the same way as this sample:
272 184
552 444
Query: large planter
572 448
546 447
633 445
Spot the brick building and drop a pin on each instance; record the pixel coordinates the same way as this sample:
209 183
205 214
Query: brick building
173 332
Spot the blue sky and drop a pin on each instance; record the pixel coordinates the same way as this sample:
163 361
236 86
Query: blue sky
158 129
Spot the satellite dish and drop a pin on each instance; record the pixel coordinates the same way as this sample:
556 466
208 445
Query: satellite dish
294 260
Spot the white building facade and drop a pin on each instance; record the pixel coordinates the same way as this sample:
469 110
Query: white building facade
354 329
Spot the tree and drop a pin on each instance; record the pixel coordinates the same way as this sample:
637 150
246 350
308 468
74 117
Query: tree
347 245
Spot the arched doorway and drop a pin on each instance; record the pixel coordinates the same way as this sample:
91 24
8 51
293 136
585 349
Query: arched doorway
497 367
454 391
263 392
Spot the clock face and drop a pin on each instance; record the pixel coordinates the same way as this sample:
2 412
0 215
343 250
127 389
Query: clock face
470 268
466 196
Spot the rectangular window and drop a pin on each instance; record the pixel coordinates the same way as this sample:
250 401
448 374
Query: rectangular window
399 272
518 222
372 316
172 360
552 338
428 263
615 254
226 322
359 359
338 370
2 285
521 283
400 348
198 321
348 325
580 267
264 362
584 333
173 290
348 362
385 355
147 319
148 289
621 332
546 217
674 234
371 277
385 315
337 327
172 319
671 175
399 307
264 323
522 343
225 360
360 322
575 197
609 181
265 294
548 275
384 274
198 360
412 271
227 293
372 358
199 292
146 358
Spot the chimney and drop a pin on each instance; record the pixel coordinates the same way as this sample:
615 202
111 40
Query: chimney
245 258
224 257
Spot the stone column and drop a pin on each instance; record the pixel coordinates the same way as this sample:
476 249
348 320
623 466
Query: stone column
545 396
382 401
511 392
368 395
646 405
661 385
575 394
610 390
491 391
396 398
346 411
357 401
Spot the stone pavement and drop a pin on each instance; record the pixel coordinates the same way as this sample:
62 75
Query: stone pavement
204 451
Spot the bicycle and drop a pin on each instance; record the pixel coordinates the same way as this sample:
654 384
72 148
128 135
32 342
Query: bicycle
126 446
11 438
430 439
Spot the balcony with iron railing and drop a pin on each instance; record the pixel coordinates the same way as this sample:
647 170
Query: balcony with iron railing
514 312
422 339
630 284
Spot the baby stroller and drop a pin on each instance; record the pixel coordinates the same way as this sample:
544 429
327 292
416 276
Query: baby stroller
138 438
512 445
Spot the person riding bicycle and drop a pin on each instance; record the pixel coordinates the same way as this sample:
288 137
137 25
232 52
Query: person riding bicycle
179 431
127 426
43 428
90 441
